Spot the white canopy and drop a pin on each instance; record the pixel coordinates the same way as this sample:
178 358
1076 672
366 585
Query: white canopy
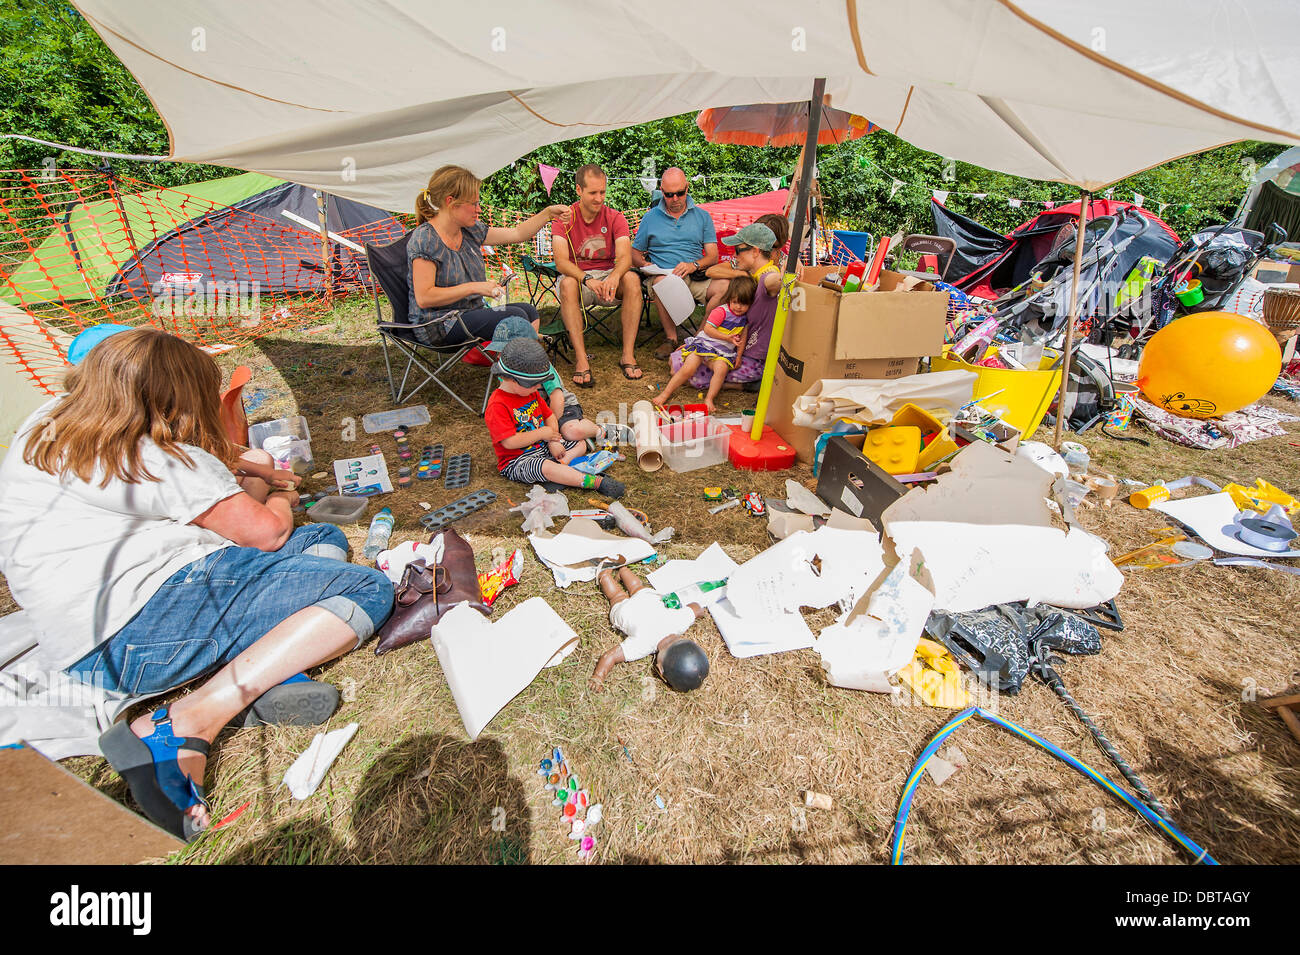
365 98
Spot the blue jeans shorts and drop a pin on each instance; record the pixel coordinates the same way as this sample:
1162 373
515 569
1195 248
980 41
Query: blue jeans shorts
214 608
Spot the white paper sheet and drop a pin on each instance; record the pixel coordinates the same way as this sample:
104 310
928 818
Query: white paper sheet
673 292
580 541
712 564
801 499
757 635
806 570
1207 516
488 663
879 636
308 771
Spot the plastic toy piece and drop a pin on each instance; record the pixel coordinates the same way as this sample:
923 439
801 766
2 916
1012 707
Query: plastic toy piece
378 421
754 504
457 471
897 448
437 520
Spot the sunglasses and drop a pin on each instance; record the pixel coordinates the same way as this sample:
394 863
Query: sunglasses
675 195
743 248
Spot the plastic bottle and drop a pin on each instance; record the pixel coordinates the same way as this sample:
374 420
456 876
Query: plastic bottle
381 529
692 594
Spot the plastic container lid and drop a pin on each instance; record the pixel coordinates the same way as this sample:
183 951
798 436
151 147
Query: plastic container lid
338 509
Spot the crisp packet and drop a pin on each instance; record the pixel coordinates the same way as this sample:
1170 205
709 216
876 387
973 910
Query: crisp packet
506 574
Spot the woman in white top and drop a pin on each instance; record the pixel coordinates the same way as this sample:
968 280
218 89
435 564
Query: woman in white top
145 565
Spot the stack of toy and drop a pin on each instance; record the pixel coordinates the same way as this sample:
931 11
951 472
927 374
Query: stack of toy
574 802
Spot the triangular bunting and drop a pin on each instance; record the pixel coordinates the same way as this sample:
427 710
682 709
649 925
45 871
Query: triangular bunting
548 174
940 195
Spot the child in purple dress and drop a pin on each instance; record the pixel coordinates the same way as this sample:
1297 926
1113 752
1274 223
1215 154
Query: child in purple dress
716 343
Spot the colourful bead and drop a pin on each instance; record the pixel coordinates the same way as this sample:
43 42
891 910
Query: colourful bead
573 782
570 810
554 779
562 795
588 843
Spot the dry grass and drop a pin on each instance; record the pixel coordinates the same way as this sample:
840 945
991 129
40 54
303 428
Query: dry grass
731 761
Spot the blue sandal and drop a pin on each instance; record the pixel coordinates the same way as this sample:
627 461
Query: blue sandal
149 767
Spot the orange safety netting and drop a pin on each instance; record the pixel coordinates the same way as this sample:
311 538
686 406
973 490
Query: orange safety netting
78 248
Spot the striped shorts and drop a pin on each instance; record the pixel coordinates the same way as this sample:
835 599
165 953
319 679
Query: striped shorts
527 468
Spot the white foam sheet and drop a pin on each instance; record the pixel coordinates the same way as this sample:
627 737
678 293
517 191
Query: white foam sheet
758 635
1207 516
826 567
801 499
580 541
985 533
863 649
488 663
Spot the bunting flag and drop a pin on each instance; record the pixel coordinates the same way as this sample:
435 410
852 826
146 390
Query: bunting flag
979 195
1109 193
1014 203
699 177
898 184
649 185
548 174
1160 209
1047 203
1138 199
775 183
940 195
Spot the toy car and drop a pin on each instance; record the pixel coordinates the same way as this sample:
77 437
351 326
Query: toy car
753 503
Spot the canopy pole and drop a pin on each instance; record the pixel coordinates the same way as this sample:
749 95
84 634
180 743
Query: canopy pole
322 213
792 261
1074 317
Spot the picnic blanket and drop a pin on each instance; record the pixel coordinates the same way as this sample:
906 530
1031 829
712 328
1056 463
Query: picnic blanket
1249 424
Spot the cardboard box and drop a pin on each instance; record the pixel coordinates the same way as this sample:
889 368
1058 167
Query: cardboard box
881 334
1273 272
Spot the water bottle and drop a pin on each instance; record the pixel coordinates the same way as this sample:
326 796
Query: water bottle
381 529
691 594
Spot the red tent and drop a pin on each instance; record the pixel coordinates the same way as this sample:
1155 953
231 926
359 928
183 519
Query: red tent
730 215
986 264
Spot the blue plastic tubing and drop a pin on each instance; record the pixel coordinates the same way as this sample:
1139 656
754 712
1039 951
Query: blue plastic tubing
1198 854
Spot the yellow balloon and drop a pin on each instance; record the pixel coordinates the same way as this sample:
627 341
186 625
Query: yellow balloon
1208 364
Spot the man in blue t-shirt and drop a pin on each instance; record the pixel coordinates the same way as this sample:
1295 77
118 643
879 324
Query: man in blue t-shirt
676 234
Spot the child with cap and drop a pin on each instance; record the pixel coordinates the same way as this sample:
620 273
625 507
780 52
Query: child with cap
563 404
525 430
717 343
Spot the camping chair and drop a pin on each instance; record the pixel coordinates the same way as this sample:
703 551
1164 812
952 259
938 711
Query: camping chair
931 245
540 279
388 267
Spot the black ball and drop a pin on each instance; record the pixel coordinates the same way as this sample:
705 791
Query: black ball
684 665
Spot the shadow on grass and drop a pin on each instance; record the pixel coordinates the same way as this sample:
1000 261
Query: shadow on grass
430 799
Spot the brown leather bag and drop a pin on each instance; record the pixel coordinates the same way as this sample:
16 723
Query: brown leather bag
426 593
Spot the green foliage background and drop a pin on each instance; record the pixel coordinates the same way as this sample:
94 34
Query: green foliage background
58 81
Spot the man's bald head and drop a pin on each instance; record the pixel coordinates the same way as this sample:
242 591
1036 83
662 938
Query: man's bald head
673 180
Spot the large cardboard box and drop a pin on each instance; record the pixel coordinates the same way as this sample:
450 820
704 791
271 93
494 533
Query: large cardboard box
871 335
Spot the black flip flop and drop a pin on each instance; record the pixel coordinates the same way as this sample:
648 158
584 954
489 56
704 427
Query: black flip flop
588 382
625 365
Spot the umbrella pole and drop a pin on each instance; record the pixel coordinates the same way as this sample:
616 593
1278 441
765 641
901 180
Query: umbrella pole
1074 317
792 261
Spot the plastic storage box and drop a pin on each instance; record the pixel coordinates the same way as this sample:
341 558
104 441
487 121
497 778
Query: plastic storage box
294 453
694 443
337 509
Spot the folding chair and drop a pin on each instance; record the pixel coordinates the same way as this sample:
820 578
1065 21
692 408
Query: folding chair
932 246
388 268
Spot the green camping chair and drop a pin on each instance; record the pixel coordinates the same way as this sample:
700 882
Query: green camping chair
388 269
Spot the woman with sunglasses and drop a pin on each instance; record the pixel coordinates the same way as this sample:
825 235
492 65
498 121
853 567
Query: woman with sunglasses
445 270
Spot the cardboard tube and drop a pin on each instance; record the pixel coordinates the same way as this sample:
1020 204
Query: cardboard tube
645 430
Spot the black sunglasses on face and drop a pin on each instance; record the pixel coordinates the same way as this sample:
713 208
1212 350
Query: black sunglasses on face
743 248
674 195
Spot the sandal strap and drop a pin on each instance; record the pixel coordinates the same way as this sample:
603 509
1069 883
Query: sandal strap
162 722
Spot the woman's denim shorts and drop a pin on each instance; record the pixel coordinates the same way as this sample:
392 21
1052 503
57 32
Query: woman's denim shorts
213 609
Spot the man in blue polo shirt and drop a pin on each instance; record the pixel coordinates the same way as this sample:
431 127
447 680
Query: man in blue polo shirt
676 234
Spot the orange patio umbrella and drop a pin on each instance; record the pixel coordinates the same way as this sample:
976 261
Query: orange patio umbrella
779 124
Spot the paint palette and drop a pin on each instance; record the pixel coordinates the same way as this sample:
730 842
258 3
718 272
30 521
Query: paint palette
454 511
457 470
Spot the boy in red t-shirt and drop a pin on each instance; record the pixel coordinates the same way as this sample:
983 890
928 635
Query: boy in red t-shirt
525 432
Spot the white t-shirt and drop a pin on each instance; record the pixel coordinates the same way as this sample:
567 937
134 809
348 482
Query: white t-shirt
82 560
